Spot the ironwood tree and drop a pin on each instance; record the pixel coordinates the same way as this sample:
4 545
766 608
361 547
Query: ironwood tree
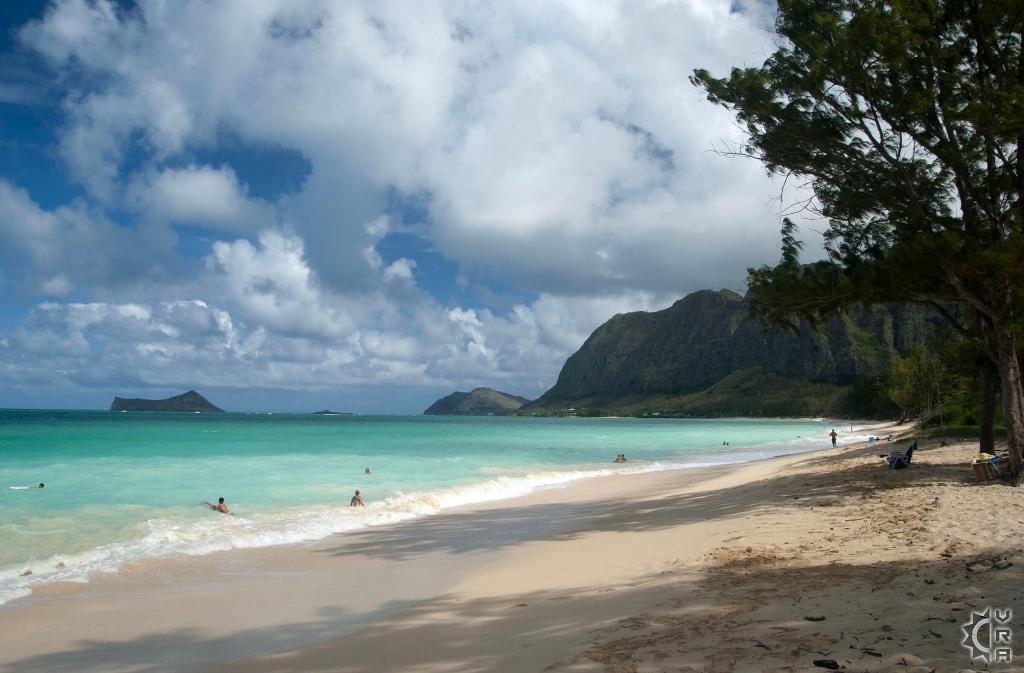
905 119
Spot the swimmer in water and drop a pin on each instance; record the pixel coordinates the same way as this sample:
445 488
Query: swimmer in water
366 471
220 507
357 500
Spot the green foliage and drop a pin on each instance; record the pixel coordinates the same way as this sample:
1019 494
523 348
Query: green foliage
748 392
899 114
951 432
936 381
868 348
906 119
867 398
911 383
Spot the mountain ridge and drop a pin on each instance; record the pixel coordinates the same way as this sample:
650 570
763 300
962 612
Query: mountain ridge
705 356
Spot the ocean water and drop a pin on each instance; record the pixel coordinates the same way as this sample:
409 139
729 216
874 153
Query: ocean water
127 486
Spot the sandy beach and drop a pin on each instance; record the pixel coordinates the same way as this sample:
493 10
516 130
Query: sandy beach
755 567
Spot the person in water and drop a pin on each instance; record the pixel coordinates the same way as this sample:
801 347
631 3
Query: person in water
42 485
357 500
366 471
220 507
833 435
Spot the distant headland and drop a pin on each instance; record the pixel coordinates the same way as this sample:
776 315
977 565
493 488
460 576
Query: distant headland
477 402
328 412
190 401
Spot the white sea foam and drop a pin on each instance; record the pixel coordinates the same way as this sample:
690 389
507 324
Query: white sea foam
161 537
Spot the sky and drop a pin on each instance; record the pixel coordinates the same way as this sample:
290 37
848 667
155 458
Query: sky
293 205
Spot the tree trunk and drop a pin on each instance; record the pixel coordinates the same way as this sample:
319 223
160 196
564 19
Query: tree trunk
1013 398
989 399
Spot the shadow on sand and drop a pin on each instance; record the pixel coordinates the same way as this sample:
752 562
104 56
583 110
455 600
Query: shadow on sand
467 532
920 602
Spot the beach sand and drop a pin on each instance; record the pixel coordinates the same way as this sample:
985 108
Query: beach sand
765 566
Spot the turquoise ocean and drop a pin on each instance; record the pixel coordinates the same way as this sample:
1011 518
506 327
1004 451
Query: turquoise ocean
126 486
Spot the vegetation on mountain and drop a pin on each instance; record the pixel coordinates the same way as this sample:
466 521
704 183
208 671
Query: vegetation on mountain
905 120
477 402
706 356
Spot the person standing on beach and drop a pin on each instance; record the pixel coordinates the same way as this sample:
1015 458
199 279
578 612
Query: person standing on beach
357 500
833 435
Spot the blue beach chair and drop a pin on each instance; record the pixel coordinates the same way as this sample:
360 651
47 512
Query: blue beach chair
998 466
899 460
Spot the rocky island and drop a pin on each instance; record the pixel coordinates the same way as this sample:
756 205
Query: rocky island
190 401
477 402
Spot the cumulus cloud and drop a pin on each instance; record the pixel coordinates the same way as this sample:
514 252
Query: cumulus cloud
556 147
273 286
199 195
53 252
560 145
275 327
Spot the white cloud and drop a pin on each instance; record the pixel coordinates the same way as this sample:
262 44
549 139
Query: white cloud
199 195
273 326
273 286
555 145
561 143
400 269
52 252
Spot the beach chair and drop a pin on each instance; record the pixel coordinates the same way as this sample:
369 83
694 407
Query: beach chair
899 460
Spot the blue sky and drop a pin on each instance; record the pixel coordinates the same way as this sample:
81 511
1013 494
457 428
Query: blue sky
355 205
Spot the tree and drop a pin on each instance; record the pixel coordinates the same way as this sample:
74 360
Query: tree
906 119
907 385
928 376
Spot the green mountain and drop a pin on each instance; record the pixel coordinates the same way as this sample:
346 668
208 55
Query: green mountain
704 356
190 401
477 402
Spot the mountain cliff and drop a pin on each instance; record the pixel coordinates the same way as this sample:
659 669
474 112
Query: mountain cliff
704 356
190 401
477 402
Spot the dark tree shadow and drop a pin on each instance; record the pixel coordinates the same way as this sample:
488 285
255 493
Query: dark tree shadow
468 532
191 649
745 609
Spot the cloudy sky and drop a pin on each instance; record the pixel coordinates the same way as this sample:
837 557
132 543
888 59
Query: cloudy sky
298 204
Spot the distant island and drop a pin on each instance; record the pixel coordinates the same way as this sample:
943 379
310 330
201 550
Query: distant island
190 401
477 402
328 412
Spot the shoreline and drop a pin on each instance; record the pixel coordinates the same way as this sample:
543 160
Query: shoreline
390 510
348 583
